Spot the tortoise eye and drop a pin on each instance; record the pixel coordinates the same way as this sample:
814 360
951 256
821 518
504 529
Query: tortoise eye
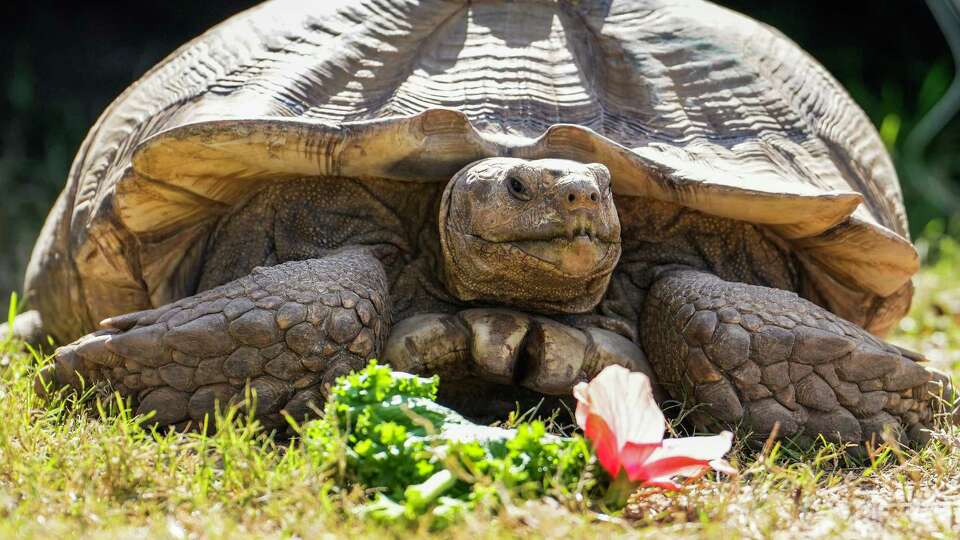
517 188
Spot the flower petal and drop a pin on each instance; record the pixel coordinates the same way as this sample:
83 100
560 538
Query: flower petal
583 403
604 444
633 453
687 456
671 466
701 448
624 400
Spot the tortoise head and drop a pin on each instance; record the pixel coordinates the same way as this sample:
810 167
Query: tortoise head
538 235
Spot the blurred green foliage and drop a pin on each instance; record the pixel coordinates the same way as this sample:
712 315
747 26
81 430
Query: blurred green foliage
64 62
933 326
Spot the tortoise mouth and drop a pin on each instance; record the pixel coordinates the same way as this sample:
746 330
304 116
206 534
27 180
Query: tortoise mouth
578 256
578 227
581 256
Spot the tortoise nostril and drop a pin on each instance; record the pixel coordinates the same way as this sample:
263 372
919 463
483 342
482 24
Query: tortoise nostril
579 194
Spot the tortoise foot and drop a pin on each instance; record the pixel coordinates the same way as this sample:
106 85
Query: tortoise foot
508 347
277 337
761 357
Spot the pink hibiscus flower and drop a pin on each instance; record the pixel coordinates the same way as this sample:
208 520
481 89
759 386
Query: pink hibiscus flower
617 412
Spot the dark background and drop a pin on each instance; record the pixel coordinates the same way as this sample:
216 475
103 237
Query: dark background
63 62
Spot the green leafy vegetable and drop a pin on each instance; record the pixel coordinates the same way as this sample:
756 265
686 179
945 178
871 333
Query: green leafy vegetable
427 460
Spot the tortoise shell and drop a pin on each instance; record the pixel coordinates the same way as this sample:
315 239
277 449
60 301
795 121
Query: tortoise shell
684 101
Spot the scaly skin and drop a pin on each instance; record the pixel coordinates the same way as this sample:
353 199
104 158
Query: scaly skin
760 356
285 332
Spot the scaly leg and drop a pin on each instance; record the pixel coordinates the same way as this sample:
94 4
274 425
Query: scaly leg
285 332
758 356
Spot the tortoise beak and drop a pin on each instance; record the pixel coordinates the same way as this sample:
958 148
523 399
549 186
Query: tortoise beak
578 256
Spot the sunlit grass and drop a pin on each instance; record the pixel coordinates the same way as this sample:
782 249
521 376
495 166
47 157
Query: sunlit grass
74 466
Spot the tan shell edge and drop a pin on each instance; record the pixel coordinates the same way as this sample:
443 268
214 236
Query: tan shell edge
190 172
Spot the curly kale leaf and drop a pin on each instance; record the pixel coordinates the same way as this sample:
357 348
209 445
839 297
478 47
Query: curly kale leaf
427 460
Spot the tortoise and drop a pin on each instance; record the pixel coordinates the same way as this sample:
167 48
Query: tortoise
511 195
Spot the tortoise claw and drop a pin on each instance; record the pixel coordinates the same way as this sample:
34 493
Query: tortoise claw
144 343
94 349
68 370
429 344
554 357
498 337
129 320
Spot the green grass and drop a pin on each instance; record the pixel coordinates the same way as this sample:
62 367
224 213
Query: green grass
81 467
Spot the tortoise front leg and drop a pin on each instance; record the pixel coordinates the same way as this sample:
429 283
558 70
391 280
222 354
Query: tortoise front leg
760 356
285 331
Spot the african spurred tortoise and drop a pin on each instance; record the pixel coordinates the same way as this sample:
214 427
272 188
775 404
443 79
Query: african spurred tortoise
511 195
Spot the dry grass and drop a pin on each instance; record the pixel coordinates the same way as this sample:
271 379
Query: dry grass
70 469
